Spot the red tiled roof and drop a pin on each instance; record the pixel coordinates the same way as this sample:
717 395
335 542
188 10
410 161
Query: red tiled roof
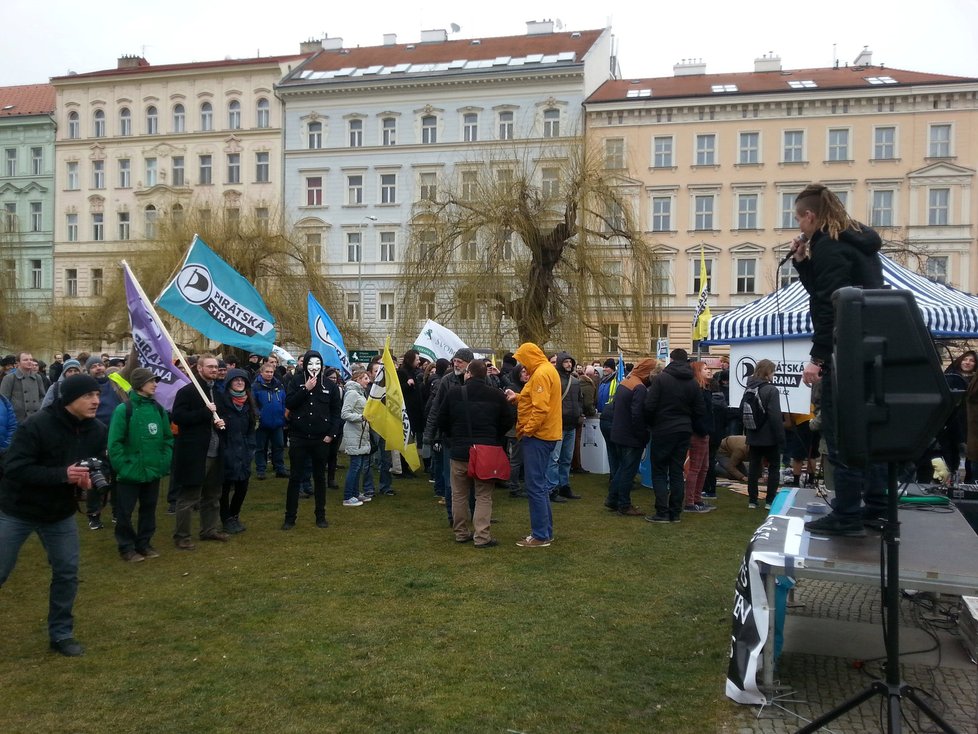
578 42
190 66
28 99
765 82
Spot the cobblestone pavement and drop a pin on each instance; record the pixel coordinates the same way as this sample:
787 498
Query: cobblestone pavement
814 684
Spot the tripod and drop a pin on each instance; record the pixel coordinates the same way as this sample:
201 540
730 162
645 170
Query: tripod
893 688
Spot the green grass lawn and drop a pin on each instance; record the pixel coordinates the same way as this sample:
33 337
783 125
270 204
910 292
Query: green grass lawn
382 623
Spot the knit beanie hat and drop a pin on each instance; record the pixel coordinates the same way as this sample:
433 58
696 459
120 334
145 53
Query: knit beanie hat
76 386
140 376
91 362
69 364
464 354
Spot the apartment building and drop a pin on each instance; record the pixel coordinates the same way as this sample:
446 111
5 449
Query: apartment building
713 162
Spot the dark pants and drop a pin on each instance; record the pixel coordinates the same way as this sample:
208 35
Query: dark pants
302 449
232 497
605 427
127 496
620 493
668 457
207 495
515 451
757 456
265 438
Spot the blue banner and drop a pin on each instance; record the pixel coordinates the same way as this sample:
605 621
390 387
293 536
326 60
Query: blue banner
214 298
326 338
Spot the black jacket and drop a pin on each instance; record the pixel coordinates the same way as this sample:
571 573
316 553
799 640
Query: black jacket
195 423
572 404
238 437
34 485
313 413
481 417
628 425
673 401
771 432
851 260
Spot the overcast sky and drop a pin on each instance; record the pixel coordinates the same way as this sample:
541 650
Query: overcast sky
938 36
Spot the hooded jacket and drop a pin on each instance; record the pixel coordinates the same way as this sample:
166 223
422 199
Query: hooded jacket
572 401
140 446
539 414
673 401
628 427
356 431
238 435
270 397
771 432
313 413
851 260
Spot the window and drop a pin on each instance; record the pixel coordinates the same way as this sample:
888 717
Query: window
387 242
98 124
234 168
747 211
388 188
426 306
427 241
353 308
206 117
389 130
429 129
703 218
353 247
614 153
469 250
788 211
467 305
315 132
98 282
939 145
746 275
261 168
314 247
662 277
152 121
938 203
936 268
386 306
470 185
787 275
839 144
794 146
176 174
125 231
98 174
125 173
354 190
72 176
506 125
550 182
661 213
662 151
261 217
10 162
884 143
74 126
262 114
149 222
706 146
37 275
470 127
180 118
356 133
609 338
98 226
71 283
551 123
234 115
206 163
695 269
10 216
152 173
881 214
71 227
125 122
314 191
36 216
37 161
427 186
750 148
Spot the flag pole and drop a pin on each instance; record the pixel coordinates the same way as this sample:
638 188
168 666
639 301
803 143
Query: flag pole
173 273
166 334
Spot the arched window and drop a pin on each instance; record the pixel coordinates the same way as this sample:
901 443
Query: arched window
315 135
152 121
206 117
177 214
99 126
125 122
234 115
179 119
74 126
262 114
149 219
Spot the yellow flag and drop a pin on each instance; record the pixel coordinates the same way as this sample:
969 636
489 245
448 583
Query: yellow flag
386 414
701 321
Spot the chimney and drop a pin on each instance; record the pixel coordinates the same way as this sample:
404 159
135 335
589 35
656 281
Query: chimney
865 58
768 62
390 39
311 46
689 67
438 35
332 44
539 27
131 62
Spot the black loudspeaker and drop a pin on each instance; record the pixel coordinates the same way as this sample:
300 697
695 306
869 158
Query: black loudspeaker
891 396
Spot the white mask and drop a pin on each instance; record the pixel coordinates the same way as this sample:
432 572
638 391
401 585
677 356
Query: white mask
314 365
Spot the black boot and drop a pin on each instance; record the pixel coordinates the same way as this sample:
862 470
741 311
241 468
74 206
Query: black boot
567 492
555 496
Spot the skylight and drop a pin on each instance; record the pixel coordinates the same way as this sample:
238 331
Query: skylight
720 88
632 93
802 84
881 80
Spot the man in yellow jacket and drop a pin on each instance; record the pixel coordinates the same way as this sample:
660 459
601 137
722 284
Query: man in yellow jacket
539 428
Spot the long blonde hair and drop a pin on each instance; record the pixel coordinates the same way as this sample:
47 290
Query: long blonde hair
829 212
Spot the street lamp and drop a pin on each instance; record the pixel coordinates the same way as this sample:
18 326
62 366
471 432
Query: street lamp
360 271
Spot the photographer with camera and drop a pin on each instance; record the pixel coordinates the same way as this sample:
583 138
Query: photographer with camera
46 477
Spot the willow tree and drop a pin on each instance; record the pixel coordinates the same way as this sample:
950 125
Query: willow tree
545 242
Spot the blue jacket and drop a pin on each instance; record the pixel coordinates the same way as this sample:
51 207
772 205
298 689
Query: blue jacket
271 402
8 423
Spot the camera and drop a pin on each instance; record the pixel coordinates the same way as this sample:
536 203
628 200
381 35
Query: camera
96 472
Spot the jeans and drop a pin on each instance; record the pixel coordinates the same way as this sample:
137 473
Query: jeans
146 494
265 437
359 466
757 456
558 471
301 450
437 470
628 459
207 494
668 457
60 541
536 459
232 498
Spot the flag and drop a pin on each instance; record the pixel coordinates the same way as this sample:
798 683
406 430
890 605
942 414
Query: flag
436 342
386 413
621 367
216 300
701 321
326 338
284 358
153 349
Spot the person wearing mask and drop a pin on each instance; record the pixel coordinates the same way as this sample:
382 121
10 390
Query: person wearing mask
629 437
236 406
767 440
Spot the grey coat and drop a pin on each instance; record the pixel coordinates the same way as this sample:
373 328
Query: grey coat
356 431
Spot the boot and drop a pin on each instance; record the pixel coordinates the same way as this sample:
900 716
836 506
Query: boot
566 491
555 496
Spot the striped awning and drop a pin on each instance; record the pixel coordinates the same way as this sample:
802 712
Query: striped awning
948 313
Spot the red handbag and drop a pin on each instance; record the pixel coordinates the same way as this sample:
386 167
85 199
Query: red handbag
488 462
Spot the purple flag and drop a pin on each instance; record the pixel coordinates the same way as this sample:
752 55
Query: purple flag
152 348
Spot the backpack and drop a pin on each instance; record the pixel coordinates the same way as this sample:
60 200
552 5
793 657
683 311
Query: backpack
752 409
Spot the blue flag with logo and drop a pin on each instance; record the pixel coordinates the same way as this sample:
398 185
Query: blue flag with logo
210 296
326 338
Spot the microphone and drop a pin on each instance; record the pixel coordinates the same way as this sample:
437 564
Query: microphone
791 252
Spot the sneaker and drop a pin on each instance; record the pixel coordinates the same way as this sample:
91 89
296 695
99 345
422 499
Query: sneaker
530 542
693 508
352 502
631 511
132 557
703 507
365 498
149 552
555 497
832 524
464 539
491 543
69 647
710 495
441 500
184 544
751 505
767 505
675 518
94 522
387 492
657 518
